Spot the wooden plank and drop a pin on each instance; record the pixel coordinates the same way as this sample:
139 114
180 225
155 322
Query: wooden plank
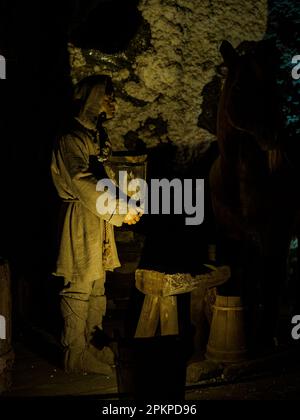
168 316
149 282
161 284
149 317
176 284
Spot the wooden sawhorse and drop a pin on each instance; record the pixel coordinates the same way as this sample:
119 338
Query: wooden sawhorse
161 290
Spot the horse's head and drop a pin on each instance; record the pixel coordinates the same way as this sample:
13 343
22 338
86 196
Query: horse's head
250 100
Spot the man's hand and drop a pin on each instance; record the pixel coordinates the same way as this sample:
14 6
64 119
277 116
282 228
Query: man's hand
133 216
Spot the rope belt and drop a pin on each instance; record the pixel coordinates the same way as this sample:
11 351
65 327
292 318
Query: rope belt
72 200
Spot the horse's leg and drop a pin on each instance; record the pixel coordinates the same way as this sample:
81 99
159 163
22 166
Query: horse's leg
251 294
231 251
274 273
228 232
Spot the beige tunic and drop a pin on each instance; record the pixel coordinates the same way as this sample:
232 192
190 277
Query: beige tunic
82 235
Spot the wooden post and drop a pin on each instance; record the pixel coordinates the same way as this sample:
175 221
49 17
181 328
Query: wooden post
149 317
6 353
168 316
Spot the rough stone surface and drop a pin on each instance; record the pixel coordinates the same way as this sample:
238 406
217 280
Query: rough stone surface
162 83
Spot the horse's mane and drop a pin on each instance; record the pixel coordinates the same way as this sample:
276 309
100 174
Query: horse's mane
229 136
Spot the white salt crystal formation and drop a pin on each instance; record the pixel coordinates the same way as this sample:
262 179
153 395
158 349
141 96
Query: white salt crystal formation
170 75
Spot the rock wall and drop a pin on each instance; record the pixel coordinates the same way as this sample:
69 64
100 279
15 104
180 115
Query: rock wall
161 76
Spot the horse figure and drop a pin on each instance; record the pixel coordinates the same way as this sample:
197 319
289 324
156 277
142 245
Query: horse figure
254 187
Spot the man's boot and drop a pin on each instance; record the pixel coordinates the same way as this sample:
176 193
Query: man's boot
96 312
77 357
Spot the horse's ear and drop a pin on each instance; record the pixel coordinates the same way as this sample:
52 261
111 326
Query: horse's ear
229 54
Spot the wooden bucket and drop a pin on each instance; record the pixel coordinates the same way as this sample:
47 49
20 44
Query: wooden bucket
227 341
6 352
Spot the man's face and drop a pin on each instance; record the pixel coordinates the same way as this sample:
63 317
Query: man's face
108 106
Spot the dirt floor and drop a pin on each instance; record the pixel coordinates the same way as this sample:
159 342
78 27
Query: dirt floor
279 386
157 364
273 377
